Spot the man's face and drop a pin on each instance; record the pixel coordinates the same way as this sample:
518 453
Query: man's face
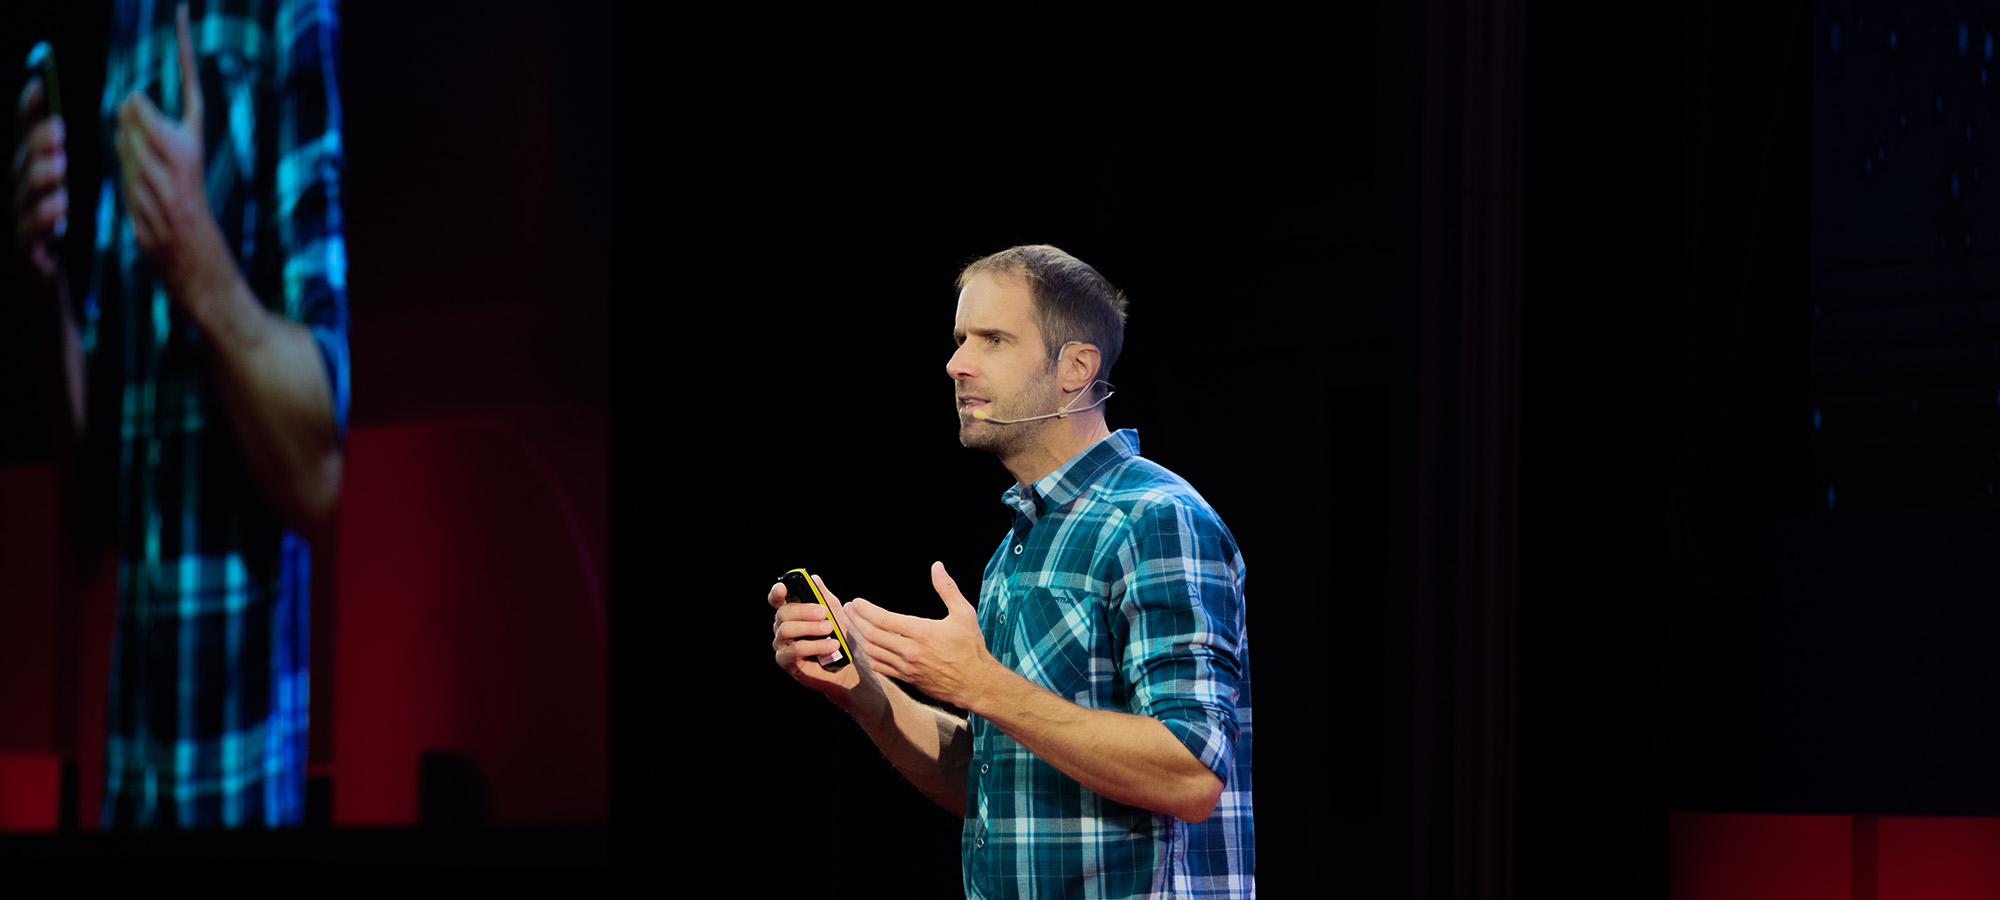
1000 365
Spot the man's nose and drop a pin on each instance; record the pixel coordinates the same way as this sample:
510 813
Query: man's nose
959 366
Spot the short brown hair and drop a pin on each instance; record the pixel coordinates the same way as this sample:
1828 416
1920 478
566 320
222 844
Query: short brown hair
1072 301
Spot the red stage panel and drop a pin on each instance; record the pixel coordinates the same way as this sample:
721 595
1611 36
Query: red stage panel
30 553
30 791
1933 859
1756 857
469 621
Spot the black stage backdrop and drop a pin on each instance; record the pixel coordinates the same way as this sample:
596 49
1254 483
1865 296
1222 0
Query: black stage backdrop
1485 331
1323 340
1410 308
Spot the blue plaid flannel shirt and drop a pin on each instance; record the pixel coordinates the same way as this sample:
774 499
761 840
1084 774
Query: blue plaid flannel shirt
209 687
1118 588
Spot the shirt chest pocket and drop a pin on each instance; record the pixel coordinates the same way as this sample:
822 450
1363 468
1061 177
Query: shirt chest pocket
1060 641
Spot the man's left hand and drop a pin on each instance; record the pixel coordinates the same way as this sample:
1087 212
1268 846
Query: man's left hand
945 658
166 194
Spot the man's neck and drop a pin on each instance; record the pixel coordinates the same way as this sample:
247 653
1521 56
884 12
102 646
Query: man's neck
1061 441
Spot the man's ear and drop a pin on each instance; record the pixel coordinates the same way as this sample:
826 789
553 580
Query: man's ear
1079 367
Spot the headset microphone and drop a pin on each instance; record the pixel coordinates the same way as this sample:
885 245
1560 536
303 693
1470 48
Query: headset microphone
982 416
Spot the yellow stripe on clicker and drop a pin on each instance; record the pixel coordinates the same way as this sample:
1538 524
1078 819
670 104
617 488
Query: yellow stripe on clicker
838 635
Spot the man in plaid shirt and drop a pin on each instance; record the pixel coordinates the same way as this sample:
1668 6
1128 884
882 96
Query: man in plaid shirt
214 342
1105 673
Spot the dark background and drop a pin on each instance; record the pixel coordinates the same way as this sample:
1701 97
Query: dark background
1295 206
1494 335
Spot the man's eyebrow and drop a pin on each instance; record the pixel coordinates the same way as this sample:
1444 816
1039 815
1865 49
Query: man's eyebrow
958 334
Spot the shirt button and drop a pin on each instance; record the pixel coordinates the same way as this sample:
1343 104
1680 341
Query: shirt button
984 768
1017 549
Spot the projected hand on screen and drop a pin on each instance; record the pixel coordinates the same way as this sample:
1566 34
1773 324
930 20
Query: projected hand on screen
165 189
269 368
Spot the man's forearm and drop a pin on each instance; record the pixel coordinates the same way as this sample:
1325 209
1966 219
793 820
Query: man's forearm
268 371
930 747
1128 758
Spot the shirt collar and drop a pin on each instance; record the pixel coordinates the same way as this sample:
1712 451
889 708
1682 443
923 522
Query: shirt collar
1070 479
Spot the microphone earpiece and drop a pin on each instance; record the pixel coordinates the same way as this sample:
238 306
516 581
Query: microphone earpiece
984 416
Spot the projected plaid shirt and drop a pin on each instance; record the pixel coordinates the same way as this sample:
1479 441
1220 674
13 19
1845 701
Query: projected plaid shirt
1118 588
207 714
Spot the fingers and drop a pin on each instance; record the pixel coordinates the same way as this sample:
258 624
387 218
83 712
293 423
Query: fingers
32 102
147 180
803 633
35 132
882 630
43 162
190 75
40 162
49 218
832 601
144 177
883 620
142 206
151 127
795 621
30 137
793 655
41 202
800 631
867 614
799 612
890 659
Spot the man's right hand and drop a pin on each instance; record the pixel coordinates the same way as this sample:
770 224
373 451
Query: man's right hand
800 634
41 201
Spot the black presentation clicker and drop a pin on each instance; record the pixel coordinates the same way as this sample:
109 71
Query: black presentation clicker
799 586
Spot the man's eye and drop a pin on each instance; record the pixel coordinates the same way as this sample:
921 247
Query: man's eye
993 342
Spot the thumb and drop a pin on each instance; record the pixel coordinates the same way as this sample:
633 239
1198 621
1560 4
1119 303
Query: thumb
190 75
947 589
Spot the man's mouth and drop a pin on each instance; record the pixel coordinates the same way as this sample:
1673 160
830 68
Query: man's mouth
968 404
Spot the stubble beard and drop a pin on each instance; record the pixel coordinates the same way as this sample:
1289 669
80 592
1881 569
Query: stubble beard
1040 396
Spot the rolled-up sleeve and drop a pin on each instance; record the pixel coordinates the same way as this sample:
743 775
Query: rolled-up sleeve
311 162
1183 607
